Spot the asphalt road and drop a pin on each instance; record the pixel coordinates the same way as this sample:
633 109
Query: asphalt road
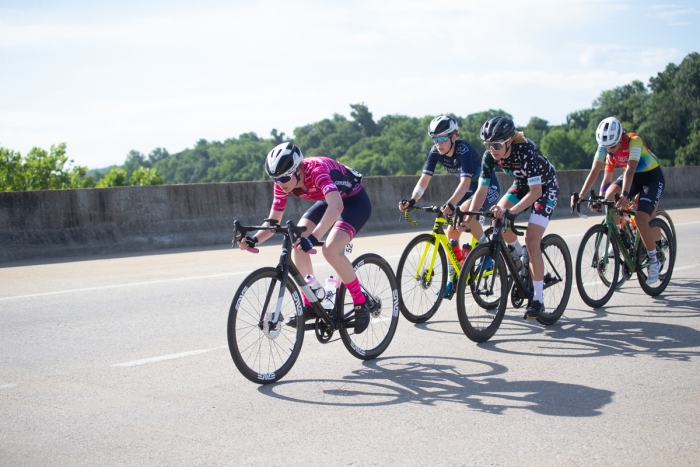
122 360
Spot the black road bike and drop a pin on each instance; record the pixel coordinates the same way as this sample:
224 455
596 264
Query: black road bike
264 348
490 275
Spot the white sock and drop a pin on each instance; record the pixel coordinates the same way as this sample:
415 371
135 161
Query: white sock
518 247
483 239
652 256
538 291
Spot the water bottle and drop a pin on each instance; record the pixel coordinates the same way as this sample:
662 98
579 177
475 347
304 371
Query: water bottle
330 289
514 256
525 259
466 249
315 285
458 251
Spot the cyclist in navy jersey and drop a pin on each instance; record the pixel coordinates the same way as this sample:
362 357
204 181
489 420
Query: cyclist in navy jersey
342 208
535 185
462 160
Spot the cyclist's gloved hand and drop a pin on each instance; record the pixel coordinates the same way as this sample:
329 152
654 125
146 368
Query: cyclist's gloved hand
249 241
447 206
307 243
407 203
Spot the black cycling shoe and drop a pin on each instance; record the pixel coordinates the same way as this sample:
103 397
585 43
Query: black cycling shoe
309 313
363 314
534 309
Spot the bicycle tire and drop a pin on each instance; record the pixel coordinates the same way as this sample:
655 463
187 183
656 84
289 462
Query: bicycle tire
596 265
669 221
264 357
377 278
556 255
478 323
666 254
419 299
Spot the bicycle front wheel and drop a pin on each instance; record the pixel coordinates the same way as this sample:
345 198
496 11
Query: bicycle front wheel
596 271
558 275
263 350
378 282
421 283
481 281
665 253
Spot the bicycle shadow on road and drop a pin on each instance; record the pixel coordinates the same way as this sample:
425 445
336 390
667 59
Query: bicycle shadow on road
430 380
598 338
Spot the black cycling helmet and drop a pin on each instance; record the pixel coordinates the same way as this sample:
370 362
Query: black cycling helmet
443 125
497 128
282 160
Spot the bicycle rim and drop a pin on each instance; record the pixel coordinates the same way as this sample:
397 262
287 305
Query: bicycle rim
558 275
263 351
421 286
592 263
665 253
378 281
479 278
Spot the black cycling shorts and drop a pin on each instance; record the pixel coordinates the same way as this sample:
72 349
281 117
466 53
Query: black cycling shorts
650 185
356 212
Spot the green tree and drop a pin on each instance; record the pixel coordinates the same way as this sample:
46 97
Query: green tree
563 150
11 171
115 177
143 177
690 153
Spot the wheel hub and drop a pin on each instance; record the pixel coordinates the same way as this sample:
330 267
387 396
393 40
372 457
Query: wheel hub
270 328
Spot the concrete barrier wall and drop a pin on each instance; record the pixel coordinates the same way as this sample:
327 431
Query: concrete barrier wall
54 223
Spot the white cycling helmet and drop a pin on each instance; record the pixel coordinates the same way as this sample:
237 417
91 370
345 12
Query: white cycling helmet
442 125
609 132
283 160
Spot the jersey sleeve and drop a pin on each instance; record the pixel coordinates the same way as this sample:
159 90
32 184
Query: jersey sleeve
279 200
636 146
430 163
487 165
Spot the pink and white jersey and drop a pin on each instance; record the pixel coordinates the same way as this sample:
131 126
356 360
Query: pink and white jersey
321 176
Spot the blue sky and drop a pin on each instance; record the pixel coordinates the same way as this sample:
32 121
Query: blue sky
108 77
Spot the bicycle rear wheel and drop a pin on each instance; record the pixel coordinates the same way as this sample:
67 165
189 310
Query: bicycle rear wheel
596 272
264 351
665 253
667 217
480 278
421 289
378 281
558 275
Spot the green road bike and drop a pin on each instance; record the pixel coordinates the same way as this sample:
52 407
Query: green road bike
598 269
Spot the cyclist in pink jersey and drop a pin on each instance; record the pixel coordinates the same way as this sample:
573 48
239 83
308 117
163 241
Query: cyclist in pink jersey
643 177
342 207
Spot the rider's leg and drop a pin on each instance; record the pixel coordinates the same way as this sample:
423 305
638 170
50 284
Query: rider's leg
474 225
615 187
303 260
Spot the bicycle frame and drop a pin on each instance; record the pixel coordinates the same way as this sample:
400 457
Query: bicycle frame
287 268
440 239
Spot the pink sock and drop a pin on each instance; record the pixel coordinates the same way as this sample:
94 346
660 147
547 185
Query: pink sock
356 292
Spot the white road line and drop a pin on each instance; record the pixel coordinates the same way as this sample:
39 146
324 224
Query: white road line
7 386
686 223
116 286
167 357
683 268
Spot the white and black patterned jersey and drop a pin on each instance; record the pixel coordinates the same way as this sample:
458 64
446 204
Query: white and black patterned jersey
465 162
526 163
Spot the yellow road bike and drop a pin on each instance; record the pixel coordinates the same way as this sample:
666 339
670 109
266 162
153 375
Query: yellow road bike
421 275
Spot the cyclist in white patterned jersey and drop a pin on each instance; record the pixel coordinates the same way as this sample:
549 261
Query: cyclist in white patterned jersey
535 185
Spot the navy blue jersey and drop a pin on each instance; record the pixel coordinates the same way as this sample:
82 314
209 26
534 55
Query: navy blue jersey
465 162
